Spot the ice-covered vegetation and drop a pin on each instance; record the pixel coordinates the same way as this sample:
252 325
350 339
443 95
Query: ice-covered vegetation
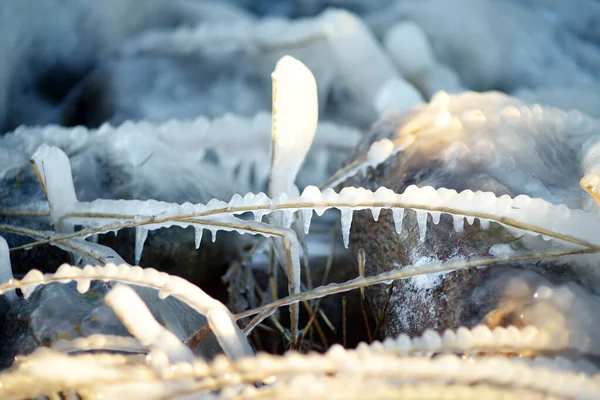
446 187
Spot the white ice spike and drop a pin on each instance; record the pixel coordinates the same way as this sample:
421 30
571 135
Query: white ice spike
306 218
346 219
140 238
459 223
398 216
197 237
375 211
422 223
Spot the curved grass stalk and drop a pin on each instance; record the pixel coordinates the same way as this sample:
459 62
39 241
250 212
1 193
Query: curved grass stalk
137 318
93 251
390 276
363 367
526 342
551 220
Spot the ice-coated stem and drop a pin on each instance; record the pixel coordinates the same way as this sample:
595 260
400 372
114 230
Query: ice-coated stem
6 274
53 170
138 320
294 121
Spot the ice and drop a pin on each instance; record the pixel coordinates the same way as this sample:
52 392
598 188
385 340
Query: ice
396 95
138 319
407 44
198 236
6 269
55 173
140 238
473 37
380 151
375 211
398 217
295 115
459 222
422 223
354 49
346 220
484 223
306 218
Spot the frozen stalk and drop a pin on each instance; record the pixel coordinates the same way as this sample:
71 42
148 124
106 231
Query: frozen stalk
138 320
53 170
6 269
294 121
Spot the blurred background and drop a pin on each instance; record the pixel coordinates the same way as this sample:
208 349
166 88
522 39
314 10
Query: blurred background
82 62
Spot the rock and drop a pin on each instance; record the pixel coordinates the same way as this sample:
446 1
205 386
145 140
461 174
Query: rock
488 142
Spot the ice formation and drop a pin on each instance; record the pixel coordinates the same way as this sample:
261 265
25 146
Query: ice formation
293 127
538 178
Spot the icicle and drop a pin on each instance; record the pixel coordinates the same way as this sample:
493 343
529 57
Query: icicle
375 211
214 235
398 216
435 217
258 215
140 237
346 218
287 217
470 219
484 223
83 285
197 237
422 223
459 223
306 218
